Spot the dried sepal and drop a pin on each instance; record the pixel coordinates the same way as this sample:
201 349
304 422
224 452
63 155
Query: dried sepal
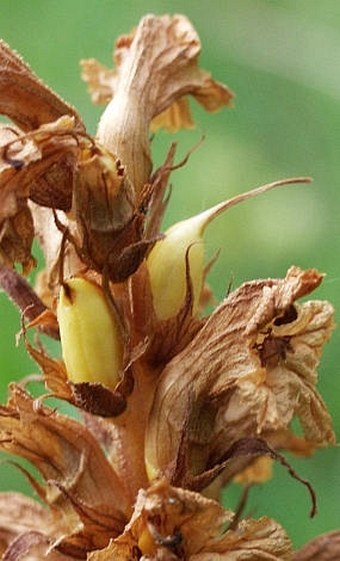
156 67
170 523
163 338
222 386
50 230
64 452
103 199
109 220
53 370
28 302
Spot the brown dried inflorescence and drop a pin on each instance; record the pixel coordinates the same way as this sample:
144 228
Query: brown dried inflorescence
189 402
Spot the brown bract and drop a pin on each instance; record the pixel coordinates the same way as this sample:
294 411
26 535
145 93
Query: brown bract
248 371
82 491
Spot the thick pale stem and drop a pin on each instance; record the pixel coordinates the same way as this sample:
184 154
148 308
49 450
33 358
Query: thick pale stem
128 433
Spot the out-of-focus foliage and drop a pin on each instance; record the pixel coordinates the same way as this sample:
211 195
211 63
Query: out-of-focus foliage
281 60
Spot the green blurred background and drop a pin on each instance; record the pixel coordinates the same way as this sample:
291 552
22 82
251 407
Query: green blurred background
282 60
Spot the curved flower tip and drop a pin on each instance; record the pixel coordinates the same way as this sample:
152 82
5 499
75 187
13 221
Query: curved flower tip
180 254
156 67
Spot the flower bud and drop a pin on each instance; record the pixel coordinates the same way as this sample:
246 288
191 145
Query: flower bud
167 266
167 259
90 337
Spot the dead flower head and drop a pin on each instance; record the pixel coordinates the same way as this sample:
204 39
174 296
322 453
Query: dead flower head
173 405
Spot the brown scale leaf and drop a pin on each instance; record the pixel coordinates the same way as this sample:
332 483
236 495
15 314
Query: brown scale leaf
226 384
170 524
82 486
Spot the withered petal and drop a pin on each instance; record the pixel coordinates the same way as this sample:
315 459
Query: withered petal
24 98
26 546
62 450
100 80
18 515
234 392
170 523
176 117
39 165
16 238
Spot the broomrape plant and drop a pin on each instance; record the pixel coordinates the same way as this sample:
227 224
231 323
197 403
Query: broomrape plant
173 405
